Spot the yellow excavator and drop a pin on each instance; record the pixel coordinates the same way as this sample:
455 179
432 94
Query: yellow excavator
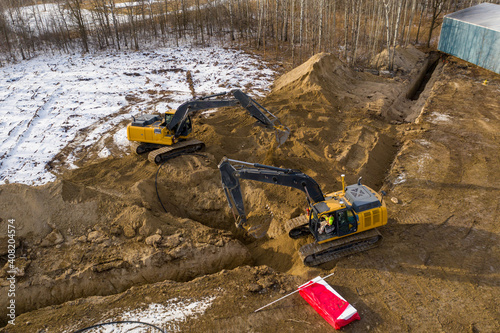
170 135
342 222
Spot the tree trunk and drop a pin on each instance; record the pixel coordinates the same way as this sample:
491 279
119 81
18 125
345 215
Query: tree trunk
388 30
420 21
301 29
320 26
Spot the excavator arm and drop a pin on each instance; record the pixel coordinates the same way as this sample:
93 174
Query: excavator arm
209 102
230 176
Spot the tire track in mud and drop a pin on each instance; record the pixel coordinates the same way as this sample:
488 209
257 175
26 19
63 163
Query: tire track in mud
40 113
19 127
401 295
284 313
404 293
189 79
74 146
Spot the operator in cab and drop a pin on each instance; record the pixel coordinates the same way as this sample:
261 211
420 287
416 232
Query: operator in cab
327 224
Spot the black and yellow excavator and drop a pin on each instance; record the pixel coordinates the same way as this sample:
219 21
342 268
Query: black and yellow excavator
170 135
342 222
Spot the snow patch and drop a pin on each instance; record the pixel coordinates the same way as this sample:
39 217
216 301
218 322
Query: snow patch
439 117
120 139
422 161
400 179
423 142
104 153
166 316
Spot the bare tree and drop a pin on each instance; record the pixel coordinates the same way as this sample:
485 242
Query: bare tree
387 28
320 23
395 38
75 9
424 7
437 8
301 29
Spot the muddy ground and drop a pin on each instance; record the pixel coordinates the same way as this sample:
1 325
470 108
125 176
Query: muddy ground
97 241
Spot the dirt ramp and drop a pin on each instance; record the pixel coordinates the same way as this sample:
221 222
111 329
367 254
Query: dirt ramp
66 207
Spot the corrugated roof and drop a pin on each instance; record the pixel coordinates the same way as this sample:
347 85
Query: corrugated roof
485 15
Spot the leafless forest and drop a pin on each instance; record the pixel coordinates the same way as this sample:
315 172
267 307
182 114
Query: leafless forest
354 30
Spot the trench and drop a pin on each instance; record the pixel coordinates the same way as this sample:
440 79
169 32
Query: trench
422 80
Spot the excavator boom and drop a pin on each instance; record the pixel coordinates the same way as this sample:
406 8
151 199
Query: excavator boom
230 176
209 102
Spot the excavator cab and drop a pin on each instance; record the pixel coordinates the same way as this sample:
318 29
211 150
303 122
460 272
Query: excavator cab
346 222
187 126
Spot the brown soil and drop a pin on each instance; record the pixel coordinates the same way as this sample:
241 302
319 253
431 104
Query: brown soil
100 230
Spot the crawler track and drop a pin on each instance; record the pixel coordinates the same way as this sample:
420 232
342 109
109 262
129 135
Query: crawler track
298 227
159 155
141 148
314 254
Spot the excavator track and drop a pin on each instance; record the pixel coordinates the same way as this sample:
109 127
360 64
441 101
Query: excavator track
141 148
298 226
159 155
314 254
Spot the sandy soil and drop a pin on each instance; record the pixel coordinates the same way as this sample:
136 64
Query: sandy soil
97 242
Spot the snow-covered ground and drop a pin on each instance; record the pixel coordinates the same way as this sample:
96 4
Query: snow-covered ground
166 316
51 101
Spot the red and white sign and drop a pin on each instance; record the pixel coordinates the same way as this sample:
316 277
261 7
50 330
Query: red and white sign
328 303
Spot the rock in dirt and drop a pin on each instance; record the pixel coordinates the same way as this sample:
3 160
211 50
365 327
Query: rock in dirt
254 287
82 239
97 236
172 241
20 268
52 239
128 231
153 240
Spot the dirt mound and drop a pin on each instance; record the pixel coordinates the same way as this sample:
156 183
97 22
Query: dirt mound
404 58
72 237
322 79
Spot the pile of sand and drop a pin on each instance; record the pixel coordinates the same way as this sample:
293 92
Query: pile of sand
405 59
323 78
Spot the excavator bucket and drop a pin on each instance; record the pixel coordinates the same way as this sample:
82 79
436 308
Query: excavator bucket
257 231
232 190
282 134
259 112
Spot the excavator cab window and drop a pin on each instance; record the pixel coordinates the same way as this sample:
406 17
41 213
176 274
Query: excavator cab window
168 118
314 222
347 223
187 127
321 225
